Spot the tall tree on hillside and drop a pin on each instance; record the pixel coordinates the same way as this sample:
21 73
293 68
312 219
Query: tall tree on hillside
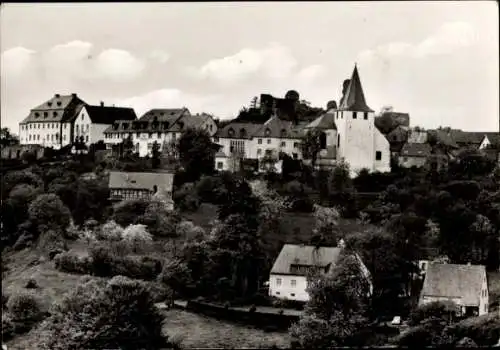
311 145
155 156
196 153
7 138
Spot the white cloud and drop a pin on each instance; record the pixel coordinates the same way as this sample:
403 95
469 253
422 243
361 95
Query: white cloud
15 61
448 38
276 61
160 56
118 65
312 72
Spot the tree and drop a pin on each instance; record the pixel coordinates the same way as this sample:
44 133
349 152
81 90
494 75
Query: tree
326 231
196 153
160 220
137 237
337 308
311 145
341 190
254 102
128 212
48 211
7 138
155 156
100 314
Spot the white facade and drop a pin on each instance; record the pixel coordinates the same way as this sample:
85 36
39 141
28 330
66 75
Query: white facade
288 287
46 134
91 132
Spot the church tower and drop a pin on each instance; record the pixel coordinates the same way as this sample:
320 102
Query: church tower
356 127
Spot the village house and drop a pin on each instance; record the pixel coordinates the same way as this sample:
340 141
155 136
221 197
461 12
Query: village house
288 276
464 285
414 155
51 123
163 126
92 121
348 133
141 185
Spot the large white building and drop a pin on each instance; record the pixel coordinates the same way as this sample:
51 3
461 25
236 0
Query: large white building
346 133
51 123
92 121
163 126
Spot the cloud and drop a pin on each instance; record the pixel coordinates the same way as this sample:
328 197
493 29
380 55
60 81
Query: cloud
275 61
447 39
312 72
118 65
160 56
15 61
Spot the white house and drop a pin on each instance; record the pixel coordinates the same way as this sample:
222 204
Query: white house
288 277
51 123
163 126
465 285
92 121
348 133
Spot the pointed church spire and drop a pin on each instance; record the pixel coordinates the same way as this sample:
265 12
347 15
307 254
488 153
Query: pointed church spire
354 98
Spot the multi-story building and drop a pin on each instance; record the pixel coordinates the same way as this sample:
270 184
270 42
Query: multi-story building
51 123
347 133
163 126
91 121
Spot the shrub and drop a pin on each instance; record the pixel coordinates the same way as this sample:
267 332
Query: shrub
31 284
99 314
24 241
102 260
110 231
138 238
54 252
25 310
8 326
484 330
72 263
52 239
159 292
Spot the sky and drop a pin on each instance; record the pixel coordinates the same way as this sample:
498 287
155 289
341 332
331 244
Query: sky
437 61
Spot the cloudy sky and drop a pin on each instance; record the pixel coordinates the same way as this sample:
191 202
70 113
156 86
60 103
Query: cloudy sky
438 61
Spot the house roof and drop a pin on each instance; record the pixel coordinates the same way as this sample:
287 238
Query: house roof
60 108
164 114
108 115
278 128
238 130
417 136
469 137
304 255
494 139
416 150
454 281
324 122
141 181
354 98
444 137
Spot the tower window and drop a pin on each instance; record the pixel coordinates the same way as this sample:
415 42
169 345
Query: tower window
322 140
354 115
338 140
378 155
365 116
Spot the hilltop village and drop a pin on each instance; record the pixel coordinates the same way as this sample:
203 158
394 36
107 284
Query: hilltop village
289 225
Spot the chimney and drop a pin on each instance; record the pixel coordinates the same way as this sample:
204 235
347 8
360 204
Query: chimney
102 103
73 95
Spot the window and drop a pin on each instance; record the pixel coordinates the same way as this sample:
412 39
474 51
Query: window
354 115
365 116
283 144
278 282
322 140
259 141
220 165
82 116
259 152
378 155
277 293
268 141
77 128
45 114
293 283
87 138
138 134
43 126
295 145
216 139
64 137
159 135
292 294
338 140
150 135
38 137
295 156
341 115
405 159
65 125
88 127
485 307
268 132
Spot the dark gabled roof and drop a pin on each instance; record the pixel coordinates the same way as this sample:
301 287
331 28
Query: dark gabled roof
189 121
238 130
304 255
324 122
494 139
164 114
109 115
454 281
354 98
416 150
469 137
164 123
278 128
60 108
140 181
443 137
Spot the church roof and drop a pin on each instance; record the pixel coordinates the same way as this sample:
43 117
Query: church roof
354 98
325 121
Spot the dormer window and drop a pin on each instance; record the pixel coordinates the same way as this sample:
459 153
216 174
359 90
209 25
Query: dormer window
54 114
230 132
125 126
181 124
45 114
115 127
268 132
365 116
161 113
354 115
37 114
243 133
165 125
283 133
49 104
59 103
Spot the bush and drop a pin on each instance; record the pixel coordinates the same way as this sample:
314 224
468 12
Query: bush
484 330
99 314
102 260
8 326
31 284
54 252
72 263
138 238
24 241
25 310
52 239
110 231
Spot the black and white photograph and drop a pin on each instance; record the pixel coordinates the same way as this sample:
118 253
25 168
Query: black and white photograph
250 175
